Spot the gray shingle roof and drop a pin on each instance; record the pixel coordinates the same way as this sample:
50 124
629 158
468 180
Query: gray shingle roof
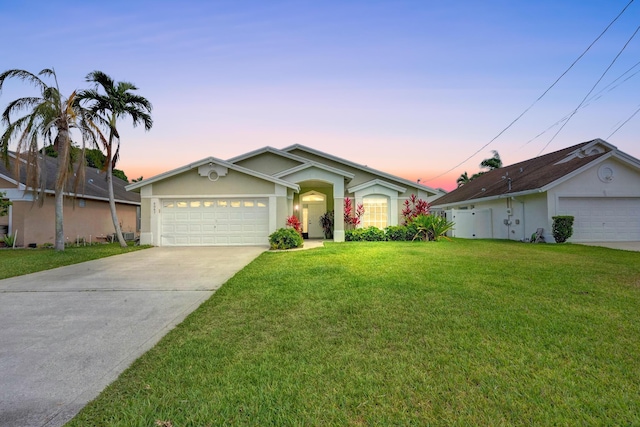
92 186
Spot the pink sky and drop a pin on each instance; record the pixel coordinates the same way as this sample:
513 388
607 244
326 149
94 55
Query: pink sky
408 87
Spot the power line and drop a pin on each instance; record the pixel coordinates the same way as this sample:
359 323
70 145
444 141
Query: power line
539 98
608 88
592 89
624 123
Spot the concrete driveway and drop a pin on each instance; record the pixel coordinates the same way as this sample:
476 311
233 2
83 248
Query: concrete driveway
626 246
65 334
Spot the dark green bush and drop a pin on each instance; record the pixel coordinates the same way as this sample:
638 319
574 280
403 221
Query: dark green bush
396 233
369 234
285 238
562 228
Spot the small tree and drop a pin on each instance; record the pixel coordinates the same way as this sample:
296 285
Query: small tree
562 228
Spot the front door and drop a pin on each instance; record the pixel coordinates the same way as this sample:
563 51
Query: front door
314 205
313 213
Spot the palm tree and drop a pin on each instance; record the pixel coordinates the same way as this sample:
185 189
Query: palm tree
115 103
48 118
464 178
492 162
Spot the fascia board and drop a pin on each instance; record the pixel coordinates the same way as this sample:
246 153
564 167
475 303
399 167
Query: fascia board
361 167
310 164
190 166
489 199
376 182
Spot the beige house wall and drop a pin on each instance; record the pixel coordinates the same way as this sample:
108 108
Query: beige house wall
36 224
192 184
268 163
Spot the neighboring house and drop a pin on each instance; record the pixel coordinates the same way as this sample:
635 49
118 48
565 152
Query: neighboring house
593 181
86 216
244 199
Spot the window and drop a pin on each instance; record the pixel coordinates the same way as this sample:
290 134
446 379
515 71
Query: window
375 212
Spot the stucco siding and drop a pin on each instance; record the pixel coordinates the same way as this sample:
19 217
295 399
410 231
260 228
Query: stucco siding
36 224
592 182
192 184
268 163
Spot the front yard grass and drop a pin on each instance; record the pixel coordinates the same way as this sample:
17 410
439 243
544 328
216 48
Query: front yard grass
16 262
465 332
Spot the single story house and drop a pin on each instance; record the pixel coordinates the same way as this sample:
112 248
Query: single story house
593 181
86 209
240 201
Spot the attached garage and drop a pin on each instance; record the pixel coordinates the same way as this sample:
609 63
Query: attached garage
215 221
602 219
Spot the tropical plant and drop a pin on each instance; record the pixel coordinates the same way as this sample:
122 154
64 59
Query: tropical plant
431 227
494 162
414 207
117 102
285 238
463 179
4 204
326 222
562 227
294 222
49 118
9 240
351 218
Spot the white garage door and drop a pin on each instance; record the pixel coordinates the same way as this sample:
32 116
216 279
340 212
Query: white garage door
599 219
208 222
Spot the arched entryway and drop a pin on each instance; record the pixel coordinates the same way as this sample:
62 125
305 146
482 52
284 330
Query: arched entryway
313 205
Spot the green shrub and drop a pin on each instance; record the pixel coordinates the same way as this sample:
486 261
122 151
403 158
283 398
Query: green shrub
369 234
9 240
285 238
396 233
562 228
431 227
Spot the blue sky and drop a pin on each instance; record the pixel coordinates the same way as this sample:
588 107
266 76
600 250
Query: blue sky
408 87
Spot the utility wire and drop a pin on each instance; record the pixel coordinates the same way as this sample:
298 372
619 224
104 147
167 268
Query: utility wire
592 89
623 123
608 88
539 98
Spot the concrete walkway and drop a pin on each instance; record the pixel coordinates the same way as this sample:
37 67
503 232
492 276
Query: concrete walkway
65 334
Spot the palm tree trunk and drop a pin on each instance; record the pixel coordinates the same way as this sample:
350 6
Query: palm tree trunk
62 141
112 200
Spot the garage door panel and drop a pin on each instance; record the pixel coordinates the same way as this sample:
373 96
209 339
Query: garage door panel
221 221
602 218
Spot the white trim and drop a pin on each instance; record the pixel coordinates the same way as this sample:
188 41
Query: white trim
374 182
211 161
311 164
362 168
208 196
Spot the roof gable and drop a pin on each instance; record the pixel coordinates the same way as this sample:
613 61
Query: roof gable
204 167
533 175
301 150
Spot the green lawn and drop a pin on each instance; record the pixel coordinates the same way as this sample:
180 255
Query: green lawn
16 262
441 333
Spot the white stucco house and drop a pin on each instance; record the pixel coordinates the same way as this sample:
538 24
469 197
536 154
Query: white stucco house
593 181
240 201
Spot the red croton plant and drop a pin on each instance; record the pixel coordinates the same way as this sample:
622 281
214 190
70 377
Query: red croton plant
352 220
294 223
414 207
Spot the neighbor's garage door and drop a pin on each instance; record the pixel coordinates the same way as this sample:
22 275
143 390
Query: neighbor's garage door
207 222
599 219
